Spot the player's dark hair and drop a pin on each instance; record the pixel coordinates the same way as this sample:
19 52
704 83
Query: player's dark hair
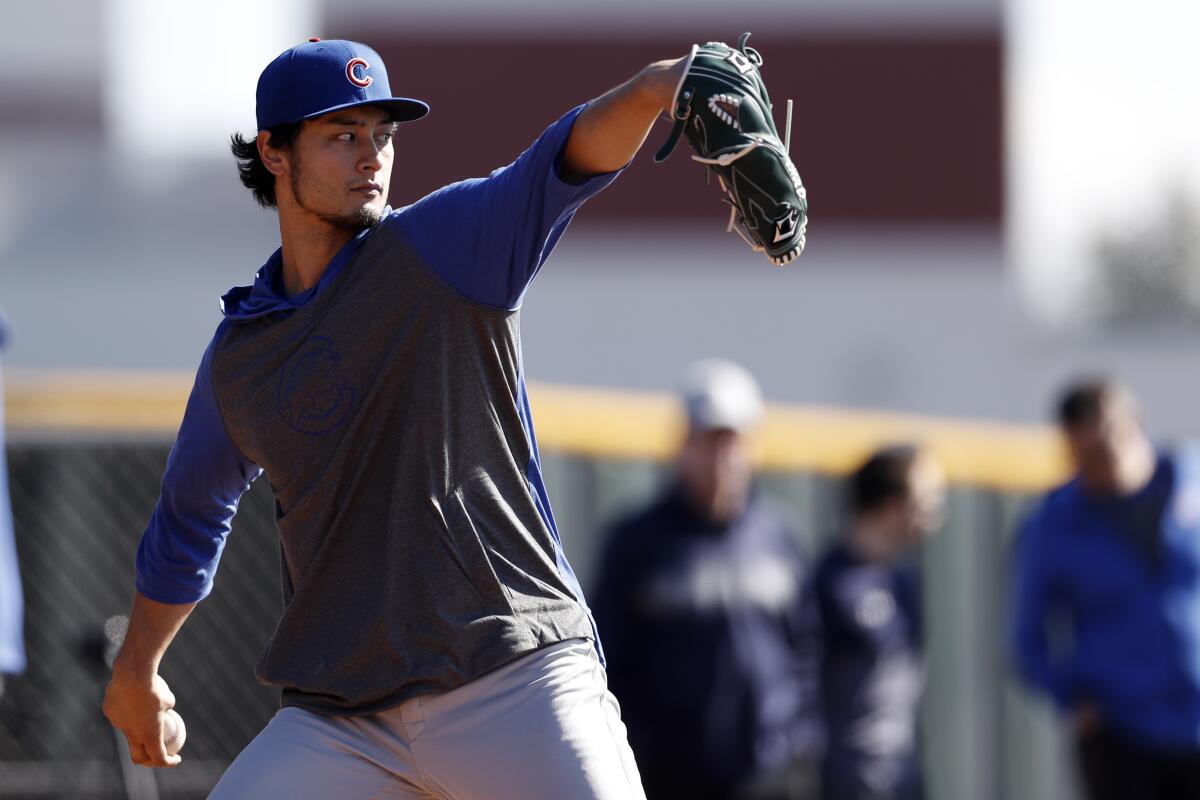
1083 399
883 477
254 173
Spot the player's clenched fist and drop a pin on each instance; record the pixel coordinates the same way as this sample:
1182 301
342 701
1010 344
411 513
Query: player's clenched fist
136 706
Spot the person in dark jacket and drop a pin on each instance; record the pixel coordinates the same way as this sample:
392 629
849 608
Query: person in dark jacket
864 611
698 604
1106 600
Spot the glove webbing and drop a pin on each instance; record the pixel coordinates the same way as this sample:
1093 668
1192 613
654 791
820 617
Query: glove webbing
682 110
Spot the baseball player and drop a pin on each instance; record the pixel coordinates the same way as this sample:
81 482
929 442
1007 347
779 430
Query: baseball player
434 641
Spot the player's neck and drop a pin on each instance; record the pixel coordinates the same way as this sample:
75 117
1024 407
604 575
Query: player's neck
308 246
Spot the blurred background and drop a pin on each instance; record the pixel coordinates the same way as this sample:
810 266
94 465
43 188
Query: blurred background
1004 194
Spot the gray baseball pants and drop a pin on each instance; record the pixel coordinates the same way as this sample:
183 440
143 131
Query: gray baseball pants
544 727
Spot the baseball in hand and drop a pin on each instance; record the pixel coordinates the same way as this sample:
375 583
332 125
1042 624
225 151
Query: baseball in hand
174 732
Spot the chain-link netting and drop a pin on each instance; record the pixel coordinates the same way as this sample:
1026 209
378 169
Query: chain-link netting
78 512
79 509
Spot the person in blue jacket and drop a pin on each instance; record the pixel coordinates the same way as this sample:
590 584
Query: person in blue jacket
434 640
12 644
698 601
1106 600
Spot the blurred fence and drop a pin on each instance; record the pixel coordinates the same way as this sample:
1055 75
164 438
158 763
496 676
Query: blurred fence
85 458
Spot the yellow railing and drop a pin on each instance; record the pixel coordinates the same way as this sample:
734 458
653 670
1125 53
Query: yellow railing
598 423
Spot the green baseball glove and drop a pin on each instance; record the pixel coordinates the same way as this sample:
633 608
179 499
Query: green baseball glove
722 107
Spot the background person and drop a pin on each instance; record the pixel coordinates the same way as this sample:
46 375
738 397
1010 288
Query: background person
864 617
12 645
698 602
1106 594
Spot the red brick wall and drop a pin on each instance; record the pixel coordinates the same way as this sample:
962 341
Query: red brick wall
886 129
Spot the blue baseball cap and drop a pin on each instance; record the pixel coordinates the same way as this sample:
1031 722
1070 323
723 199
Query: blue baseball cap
317 77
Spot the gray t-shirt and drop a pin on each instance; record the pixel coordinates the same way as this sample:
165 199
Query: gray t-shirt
387 407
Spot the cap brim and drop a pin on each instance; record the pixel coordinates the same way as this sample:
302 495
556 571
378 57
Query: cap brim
402 109
719 424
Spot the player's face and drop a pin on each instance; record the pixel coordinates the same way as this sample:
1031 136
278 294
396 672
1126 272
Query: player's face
341 166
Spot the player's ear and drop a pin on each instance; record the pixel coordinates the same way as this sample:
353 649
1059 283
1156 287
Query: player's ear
273 158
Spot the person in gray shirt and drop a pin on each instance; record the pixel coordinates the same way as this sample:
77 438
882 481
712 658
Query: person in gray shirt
434 640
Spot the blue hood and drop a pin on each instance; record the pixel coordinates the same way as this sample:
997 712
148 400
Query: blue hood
267 295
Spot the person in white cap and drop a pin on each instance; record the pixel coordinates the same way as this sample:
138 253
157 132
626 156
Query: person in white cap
699 602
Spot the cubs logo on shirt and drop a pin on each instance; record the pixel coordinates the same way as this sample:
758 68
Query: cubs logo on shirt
314 398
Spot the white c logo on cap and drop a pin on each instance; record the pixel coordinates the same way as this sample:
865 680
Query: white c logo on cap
365 80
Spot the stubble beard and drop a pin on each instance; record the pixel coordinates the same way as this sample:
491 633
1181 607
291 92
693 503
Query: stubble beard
357 220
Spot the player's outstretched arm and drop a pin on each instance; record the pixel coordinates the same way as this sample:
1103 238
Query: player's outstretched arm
137 697
609 132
